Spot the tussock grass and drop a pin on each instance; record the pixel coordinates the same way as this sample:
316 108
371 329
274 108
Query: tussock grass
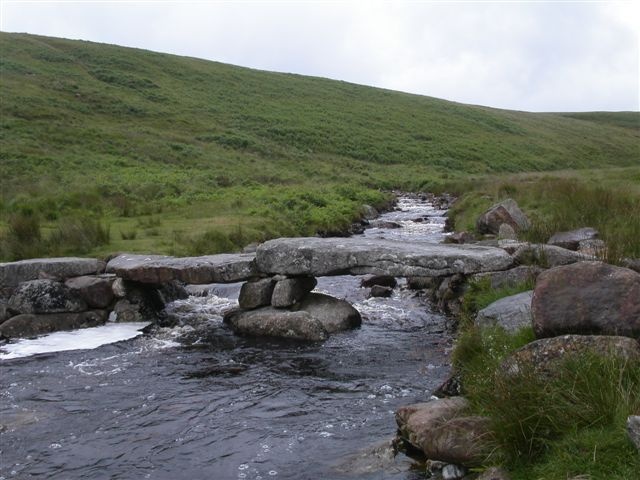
547 428
534 420
606 200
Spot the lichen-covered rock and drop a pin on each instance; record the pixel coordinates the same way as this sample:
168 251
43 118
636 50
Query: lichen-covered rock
360 256
273 322
369 212
95 290
507 232
594 248
506 212
159 269
587 298
571 239
543 356
256 293
45 296
334 314
14 273
30 325
512 277
548 256
440 429
460 238
511 313
291 290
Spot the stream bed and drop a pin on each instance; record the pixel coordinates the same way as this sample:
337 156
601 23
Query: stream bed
198 402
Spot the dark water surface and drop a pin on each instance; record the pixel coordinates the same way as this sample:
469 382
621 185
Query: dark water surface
227 407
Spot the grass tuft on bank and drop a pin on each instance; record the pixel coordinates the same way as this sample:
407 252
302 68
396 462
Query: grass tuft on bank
572 424
607 200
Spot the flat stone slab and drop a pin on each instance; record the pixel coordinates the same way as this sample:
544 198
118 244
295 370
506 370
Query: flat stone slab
159 269
13 273
360 256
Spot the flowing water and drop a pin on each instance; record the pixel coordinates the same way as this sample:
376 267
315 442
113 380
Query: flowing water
198 402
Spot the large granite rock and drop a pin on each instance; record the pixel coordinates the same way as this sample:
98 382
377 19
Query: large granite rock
442 431
510 313
571 239
95 290
543 356
369 212
512 277
158 269
272 322
14 273
30 325
505 212
334 314
289 291
587 298
45 296
256 293
548 255
380 280
359 256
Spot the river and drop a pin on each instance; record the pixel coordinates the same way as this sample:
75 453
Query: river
197 402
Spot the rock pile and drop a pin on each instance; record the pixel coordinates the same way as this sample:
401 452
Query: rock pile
286 307
47 295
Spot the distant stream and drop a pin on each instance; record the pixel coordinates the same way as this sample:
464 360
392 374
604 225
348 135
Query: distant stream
197 402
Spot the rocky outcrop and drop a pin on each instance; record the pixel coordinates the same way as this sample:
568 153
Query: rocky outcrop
359 256
548 256
14 273
95 290
158 269
511 313
256 293
30 325
289 291
45 296
334 314
587 297
506 212
442 431
272 322
543 356
571 239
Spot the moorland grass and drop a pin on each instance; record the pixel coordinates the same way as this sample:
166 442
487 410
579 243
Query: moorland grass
117 134
547 428
607 200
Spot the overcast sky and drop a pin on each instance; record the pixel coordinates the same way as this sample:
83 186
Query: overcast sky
536 56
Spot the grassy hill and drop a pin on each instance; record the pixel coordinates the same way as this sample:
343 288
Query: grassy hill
107 148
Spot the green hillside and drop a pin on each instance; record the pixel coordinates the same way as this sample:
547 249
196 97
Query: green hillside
107 148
